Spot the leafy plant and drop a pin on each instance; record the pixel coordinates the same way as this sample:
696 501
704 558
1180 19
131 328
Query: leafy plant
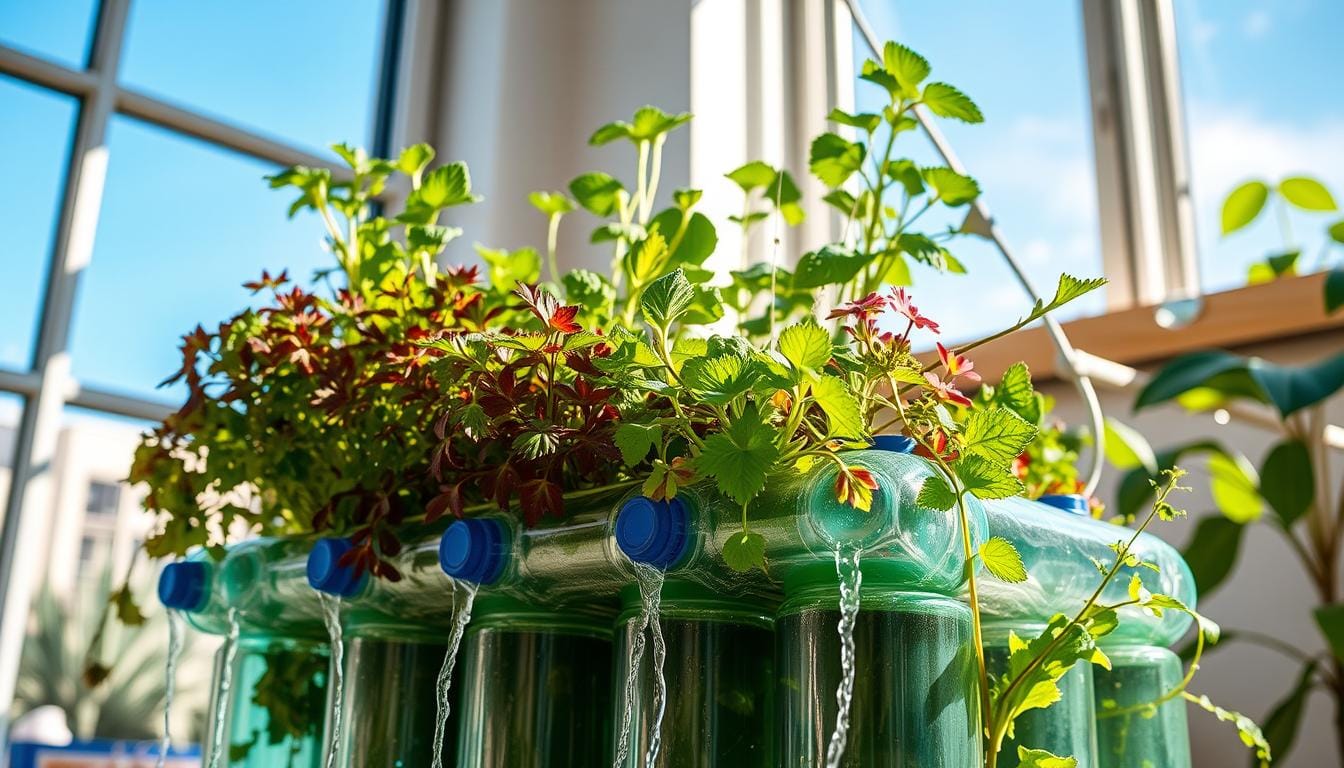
1290 492
1248 201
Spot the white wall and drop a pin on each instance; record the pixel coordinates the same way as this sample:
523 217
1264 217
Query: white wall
525 84
1267 592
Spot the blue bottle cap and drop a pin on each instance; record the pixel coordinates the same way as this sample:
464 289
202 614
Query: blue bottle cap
183 585
326 574
1069 502
473 550
894 443
656 533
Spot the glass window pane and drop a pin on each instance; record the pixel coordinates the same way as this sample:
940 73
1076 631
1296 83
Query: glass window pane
304 72
1263 100
76 558
36 134
1024 66
183 225
54 29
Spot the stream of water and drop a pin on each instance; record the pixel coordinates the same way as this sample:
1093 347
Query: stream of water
650 581
850 577
331 614
461 617
170 682
217 745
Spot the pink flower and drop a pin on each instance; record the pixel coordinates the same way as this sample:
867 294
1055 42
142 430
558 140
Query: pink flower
957 365
866 307
900 302
945 391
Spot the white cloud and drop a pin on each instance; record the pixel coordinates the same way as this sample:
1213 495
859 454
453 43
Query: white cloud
1230 146
1256 24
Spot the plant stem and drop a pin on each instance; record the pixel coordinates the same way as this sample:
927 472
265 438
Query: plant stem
552 234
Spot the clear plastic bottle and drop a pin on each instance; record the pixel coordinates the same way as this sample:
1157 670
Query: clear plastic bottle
275 706
915 701
1060 543
536 658
719 675
395 636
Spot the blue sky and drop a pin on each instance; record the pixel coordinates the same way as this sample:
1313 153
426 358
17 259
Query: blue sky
184 224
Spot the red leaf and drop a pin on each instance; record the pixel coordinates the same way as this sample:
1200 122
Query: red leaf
562 319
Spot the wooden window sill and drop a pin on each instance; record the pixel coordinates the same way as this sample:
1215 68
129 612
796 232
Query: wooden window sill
1285 308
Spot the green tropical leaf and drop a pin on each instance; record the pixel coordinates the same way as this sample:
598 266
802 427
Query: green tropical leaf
1307 193
1281 726
1292 388
1287 480
1002 560
1212 551
1243 204
945 101
1126 449
1185 373
1235 487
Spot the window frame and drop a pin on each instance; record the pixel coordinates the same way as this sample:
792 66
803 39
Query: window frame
47 386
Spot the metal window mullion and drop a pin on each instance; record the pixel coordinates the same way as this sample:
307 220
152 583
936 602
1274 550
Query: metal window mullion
30 491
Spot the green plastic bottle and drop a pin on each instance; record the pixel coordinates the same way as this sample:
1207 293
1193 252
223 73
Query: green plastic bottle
394 641
1131 734
1059 543
536 662
275 706
914 697
719 673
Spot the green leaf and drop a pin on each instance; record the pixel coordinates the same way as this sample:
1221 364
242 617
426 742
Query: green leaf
1292 388
1039 758
945 101
950 187
415 158
1281 726
1234 487
1243 205
721 378
908 174
1015 390
832 265
650 122
551 203
743 551
936 494
865 122
1126 449
1186 373
666 299
806 345
1287 480
753 175
1307 193
833 159
986 479
1002 560
1336 231
509 268
587 288
996 434
1284 263
1071 288
128 612
636 440
1330 619
843 413
908 67
598 192
1212 551
741 457
1334 289
686 198
445 186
